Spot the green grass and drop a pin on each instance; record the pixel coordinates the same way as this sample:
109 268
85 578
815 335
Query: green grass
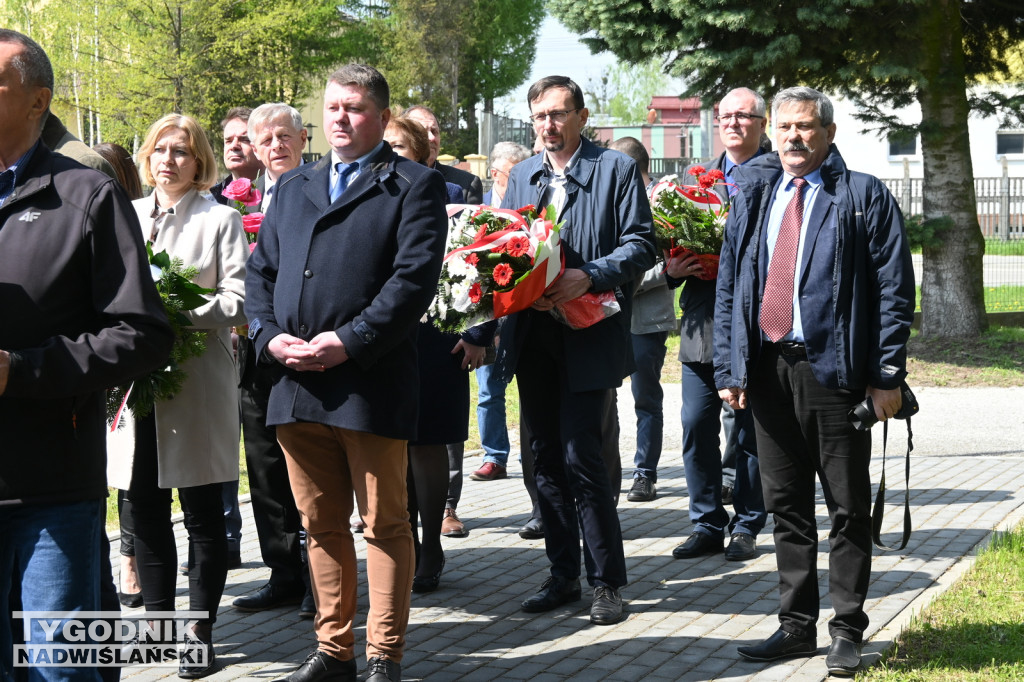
1005 299
1009 247
972 633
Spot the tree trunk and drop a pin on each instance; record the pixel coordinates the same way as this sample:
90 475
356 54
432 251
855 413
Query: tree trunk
952 289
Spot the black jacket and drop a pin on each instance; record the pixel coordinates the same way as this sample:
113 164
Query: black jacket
366 267
81 314
470 184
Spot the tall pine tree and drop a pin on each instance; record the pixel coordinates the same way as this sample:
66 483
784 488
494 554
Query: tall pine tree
882 54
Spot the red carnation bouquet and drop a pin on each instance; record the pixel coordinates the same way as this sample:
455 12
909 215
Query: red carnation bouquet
498 262
244 196
691 218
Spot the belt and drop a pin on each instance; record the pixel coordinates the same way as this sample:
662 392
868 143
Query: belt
791 349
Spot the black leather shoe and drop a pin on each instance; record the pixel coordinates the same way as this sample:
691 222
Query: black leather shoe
197 659
319 666
132 600
553 593
430 582
780 645
698 544
270 596
307 609
607 606
643 490
741 547
380 669
843 659
533 530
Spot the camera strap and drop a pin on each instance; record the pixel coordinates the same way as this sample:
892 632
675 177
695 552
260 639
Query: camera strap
879 510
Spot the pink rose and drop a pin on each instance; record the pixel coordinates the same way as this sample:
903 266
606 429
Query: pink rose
252 247
242 191
251 222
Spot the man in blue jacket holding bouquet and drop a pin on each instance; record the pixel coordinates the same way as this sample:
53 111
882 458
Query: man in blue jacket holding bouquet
565 374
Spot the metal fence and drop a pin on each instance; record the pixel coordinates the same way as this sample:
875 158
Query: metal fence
1000 203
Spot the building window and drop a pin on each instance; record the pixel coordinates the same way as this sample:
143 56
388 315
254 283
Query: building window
902 145
1009 142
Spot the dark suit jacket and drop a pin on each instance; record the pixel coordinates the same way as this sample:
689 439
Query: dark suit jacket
607 232
365 267
470 184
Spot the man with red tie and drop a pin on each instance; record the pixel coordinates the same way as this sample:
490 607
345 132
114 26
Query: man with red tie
814 305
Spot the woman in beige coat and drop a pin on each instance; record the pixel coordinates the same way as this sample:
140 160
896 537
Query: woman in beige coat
191 442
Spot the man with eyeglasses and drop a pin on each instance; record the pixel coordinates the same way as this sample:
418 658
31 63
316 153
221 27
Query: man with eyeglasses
567 375
741 123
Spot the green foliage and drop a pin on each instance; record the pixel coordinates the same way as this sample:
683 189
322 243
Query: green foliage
922 232
121 64
452 55
625 91
179 294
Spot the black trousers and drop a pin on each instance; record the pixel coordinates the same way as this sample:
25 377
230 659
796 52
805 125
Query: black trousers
803 432
273 505
573 486
155 551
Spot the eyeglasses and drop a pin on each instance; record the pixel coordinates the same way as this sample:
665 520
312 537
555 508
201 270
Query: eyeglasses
739 117
556 116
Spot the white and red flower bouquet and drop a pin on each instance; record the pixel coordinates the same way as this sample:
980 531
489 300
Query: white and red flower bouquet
244 195
498 262
691 218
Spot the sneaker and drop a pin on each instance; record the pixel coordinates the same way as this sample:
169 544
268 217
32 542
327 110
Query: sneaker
643 490
489 472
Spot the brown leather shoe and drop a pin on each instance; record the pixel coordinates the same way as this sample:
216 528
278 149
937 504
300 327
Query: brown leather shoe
451 527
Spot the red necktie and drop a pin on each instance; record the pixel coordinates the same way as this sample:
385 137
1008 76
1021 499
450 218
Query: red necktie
777 303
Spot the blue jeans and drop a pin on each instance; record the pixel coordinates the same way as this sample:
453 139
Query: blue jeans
649 353
702 459
490 416
50 557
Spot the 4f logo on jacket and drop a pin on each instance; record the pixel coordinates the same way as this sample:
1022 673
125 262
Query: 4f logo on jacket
29 216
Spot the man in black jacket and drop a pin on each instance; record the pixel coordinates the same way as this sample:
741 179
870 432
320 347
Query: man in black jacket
347 263
81 315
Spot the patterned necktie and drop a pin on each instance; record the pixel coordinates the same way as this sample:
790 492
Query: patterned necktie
344 172
777 303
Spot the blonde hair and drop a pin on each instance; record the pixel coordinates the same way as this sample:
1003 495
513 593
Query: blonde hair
198 146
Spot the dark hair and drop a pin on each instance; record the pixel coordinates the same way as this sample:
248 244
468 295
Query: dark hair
366 77
415 135
32 64
634 149
242 113
121 160
538 89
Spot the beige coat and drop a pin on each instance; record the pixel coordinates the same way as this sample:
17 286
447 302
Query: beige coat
198 429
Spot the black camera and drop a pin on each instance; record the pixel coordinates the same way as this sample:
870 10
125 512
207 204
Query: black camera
863 417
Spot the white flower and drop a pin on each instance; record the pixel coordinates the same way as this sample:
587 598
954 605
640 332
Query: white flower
458 267
460 296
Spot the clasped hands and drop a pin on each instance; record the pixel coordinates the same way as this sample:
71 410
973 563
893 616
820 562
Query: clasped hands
323 351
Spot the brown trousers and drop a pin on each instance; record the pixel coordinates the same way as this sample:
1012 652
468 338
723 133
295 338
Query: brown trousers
326 465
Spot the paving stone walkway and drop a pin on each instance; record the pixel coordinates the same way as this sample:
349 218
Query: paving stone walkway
685 618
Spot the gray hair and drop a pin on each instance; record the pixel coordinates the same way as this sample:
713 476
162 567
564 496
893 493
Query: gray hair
273 111
822 104
32 64
509 151
367 78
759 106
